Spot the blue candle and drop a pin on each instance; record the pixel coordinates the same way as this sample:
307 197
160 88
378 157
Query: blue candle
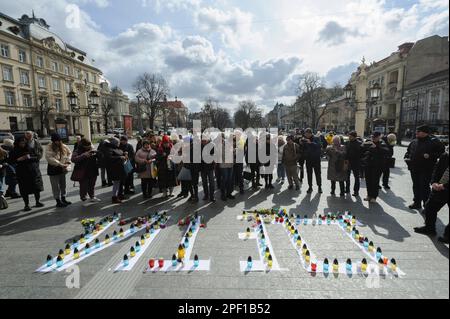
249 263
49 261
196 261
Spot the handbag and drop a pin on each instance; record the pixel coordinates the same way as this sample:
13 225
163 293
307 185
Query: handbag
128 167
78 174
184 175
3 203
391 162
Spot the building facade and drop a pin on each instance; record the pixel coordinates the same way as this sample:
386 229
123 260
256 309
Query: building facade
339 117
115 108
410 63
426 102
37 63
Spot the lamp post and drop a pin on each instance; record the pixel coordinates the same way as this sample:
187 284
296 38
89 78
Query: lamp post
354 102
44 109
85 105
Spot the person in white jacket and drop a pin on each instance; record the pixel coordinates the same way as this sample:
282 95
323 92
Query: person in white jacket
58 158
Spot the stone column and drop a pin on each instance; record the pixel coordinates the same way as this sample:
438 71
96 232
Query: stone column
361 98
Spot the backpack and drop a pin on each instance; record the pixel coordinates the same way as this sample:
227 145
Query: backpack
3 203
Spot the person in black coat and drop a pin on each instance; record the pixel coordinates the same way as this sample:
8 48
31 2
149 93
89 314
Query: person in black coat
374 156
438 198
115 159
127 184
106 180
313 152
390 141
86 168
252 159
421 156
207 171
353 156
28 173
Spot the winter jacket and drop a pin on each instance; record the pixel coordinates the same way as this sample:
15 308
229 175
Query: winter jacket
414 156
291 154
141 158
88 164
57 160
354 153
312 151
114 164
28 174
375 157
337 171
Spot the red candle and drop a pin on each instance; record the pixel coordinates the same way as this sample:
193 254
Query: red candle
314 267
385 261
281 220
277 219
161 263
151 263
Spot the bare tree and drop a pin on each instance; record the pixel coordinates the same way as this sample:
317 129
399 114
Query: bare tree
248 115
107 108
213 115
153 88
313 97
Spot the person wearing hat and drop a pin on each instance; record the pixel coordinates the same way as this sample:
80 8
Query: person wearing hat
28 174
421 156
58 157
86 169
374 155
353 156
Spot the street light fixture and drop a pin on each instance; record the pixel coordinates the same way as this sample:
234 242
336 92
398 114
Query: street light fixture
93 102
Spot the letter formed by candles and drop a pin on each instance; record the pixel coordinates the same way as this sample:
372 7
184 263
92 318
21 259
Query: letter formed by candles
267 260
181 259
89 243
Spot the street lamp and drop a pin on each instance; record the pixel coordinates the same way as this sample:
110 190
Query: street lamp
44 109
93 102
141 128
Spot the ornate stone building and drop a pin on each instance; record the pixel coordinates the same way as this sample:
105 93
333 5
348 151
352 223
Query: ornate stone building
339 117
38 70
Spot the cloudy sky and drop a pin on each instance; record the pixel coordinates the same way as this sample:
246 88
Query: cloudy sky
235 49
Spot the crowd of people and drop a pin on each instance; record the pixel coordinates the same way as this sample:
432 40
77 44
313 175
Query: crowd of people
349 160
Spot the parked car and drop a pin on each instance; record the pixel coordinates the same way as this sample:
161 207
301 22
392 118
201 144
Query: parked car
5 136
443 139
119 131
18 134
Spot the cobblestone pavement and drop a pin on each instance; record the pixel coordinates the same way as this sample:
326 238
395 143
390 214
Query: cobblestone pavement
26 238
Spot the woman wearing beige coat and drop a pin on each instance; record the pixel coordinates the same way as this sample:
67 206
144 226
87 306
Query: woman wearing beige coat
58 158
144 159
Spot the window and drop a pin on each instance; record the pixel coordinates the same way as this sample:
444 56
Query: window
56 86
67 84
4 50
76 73
9 98
13 123
94 78
393 77
7 73
66 70
435 97
86 74
27 100
40 61
41 81
24 77
58 105
22 56
54 66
